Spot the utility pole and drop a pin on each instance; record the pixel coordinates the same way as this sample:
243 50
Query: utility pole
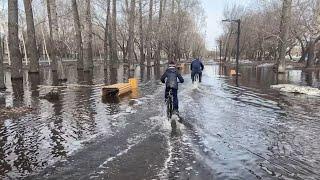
220 44
238 21
238 51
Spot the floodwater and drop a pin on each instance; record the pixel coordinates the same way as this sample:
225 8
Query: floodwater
227 132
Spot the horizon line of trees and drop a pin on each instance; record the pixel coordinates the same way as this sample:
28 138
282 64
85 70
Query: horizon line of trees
116 31
271 30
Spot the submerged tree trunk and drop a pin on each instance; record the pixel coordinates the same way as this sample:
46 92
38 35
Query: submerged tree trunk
78 38
32 49
2 84
131 23
284 33
13 40
53 28
149 37
88 59
142 56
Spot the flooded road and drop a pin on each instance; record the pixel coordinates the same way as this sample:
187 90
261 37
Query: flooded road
228 132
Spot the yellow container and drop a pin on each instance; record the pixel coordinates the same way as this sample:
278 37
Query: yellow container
134 83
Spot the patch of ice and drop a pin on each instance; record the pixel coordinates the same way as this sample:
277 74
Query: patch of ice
290 88
266 65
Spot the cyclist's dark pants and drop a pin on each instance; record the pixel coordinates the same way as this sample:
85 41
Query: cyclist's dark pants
194 73
175 97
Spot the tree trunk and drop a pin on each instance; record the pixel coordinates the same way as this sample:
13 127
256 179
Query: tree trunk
142 56
32 50
311 56
159 47
113 45
107 37
149 34
171 42
88 59
2 84
78 37
284 33
13 40
54 36
131 23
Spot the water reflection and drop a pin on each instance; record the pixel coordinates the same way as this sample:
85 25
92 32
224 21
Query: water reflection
56 128
264 77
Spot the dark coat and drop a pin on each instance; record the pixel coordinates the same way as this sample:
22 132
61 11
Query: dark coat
170 77
196 66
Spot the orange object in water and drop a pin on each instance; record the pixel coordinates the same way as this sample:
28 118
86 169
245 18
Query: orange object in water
233 72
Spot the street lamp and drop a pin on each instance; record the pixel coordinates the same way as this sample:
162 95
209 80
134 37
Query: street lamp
238 21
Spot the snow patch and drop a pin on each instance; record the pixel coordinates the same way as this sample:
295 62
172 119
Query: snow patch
290 88
266 65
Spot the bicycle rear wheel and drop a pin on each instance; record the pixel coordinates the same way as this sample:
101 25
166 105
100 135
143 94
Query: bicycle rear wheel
169 108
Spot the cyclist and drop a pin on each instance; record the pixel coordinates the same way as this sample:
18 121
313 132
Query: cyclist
170 77
196 68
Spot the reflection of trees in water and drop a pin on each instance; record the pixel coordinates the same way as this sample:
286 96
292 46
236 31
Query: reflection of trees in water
80 76
72 73
85 110
34 81
308 79
57 131
149 73
110 75
26 148
223 70
4 163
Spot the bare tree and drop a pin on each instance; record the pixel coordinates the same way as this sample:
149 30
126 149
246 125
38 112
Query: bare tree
141 34
13 40
2 84
31 40
284 34
131 37
78 37
113 47
149 35
159 46
88 56
54 29
107 36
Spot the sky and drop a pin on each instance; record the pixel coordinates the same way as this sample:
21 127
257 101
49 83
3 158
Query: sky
214 13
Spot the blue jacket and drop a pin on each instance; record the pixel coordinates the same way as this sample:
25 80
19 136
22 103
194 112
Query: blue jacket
170 77
196 66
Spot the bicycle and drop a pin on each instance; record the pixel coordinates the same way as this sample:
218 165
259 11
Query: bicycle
196 77
170 109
